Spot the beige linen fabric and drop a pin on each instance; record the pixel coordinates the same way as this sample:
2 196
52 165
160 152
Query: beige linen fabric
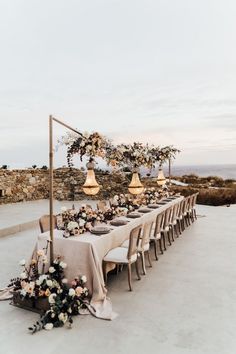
84 255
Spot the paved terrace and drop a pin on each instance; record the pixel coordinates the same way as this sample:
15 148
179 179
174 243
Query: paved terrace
185 303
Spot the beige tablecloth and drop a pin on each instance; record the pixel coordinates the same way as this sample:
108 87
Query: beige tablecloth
84 255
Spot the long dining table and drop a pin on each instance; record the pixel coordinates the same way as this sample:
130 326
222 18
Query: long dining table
84 255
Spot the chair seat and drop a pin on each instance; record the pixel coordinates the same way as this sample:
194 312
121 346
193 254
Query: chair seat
145 247
157 237
166 229
119 255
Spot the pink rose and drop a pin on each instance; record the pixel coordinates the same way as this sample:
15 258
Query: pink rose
79 290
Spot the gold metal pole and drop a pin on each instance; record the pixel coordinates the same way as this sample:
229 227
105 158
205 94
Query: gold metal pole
169 171
51 119
51 186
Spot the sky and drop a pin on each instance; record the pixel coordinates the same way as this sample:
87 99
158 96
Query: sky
156 71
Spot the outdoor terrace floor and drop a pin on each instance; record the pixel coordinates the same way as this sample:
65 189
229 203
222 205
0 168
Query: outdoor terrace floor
185 304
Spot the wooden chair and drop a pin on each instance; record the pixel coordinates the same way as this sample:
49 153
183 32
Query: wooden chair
143 245
101 205
156 236
44 223
127 256
166 226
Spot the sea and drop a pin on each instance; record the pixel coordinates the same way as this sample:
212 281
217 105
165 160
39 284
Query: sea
223 171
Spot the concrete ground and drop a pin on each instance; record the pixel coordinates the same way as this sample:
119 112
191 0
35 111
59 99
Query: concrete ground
185 303
18 217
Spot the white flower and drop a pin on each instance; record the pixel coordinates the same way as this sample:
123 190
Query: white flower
48 326
63 209
23 275
22 262
83 279
51 269
63 317
63 265
23 292
72 225
64 281
51 298
83 215
72 292
43 277
82 222
49 283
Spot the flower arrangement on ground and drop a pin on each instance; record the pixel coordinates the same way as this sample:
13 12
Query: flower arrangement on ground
63 299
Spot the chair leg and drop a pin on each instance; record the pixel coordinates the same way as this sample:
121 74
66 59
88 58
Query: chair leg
137 270
149 258
160 246
129 276
155 249
164 240
143 263
104 272
172 233
168 235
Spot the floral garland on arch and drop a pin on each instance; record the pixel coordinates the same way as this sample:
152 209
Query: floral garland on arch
132 155
162 155
90 145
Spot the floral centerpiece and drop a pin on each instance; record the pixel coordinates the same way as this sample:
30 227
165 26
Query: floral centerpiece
62 299
124 203
77 222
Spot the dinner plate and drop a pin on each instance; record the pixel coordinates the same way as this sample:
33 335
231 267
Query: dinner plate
100 230
133 215
144 210
118 222
153 206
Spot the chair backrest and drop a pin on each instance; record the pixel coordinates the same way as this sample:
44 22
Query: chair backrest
44 223
174 212
167 217
195 199
134 238
101 205
159 223
147 229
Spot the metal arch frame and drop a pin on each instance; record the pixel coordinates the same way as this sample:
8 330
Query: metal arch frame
51 156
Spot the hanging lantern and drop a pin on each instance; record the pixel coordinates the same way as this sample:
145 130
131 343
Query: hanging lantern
90 186
161 180
135 187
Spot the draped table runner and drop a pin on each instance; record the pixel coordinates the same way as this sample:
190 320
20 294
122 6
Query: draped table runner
84 255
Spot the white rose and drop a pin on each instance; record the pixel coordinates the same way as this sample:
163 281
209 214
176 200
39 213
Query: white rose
49 283
63 317
23 292
63 265
51 298
82 222
22 262
64 281
23 275
72 292
51 269
63 209
83 215
83 279
48 326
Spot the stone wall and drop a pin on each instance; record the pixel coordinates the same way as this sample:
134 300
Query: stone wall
33 184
